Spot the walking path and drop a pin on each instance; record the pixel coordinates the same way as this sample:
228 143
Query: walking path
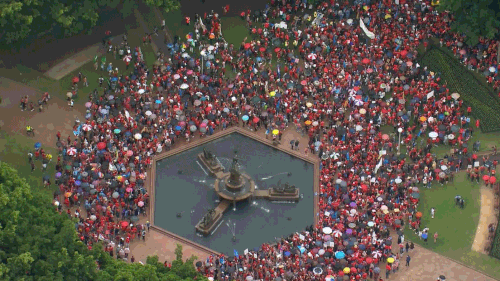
74 62
487 217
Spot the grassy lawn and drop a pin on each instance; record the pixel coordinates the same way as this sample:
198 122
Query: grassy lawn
14 150
456 227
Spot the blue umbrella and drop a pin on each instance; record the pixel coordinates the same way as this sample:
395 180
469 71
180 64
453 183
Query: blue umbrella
441 116
424 235
117 131
38 145
245 118
128 133
178 128
158 101
78 183
287 254
114 79
302 249
340 255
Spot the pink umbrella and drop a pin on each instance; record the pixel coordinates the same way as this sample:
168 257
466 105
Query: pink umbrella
130 153
129 189
71 151
189 72
140 203
203 125
88 104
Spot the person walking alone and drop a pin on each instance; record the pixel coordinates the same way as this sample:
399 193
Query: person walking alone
408 259
435 237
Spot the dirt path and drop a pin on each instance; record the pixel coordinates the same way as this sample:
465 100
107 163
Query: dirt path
56 116
487 217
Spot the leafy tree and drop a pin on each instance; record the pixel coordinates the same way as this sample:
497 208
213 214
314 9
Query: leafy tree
21 20
166 5
474 18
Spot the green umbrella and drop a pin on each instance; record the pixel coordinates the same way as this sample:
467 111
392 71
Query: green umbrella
103 59
68 167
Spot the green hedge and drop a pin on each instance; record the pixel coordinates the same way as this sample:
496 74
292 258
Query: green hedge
495 247
485 104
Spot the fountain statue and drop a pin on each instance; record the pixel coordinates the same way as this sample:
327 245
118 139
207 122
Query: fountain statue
207 218
209 156
235 177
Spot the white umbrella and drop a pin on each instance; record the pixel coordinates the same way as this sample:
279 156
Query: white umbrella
148 113
398 180
337 233
327 230
321 252
451 136
377 254
203 53
184 86
433 135
176 76
137 136
431 119
141 91
312 56
358 102
93 217
492 69
185 55
384 207
315 123
444 168
359 128
211 48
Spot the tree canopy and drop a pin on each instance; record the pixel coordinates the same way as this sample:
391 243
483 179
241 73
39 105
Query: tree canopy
37 243
474 18
24 19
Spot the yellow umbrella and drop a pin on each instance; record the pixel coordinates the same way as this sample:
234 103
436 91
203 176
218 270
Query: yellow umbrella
347 270
365 8
423 119
309 104
362 111
275 132
387 16
308 122
396 210
272 94
390 260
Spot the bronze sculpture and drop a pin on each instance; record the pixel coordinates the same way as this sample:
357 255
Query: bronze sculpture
235 177
209 156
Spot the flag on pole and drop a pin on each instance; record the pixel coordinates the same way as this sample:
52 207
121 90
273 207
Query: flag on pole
236 253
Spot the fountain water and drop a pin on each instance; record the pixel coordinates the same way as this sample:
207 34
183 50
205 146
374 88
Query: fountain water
232 228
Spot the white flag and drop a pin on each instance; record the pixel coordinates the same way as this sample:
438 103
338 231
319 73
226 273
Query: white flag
368 33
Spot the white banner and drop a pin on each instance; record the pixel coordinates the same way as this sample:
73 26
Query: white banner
368 33
430 95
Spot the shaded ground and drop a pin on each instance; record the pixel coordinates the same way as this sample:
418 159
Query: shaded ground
192 7
487 217
46 52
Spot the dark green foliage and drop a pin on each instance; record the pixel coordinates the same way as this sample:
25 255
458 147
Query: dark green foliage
474 18
21 20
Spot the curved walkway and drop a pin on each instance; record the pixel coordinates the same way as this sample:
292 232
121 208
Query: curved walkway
487 217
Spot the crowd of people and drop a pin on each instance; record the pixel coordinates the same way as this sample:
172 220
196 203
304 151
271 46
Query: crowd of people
318 74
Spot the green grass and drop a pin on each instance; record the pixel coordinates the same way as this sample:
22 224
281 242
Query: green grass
234 30
14 150
456 227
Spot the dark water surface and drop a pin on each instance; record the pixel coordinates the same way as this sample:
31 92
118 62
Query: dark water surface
191 192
